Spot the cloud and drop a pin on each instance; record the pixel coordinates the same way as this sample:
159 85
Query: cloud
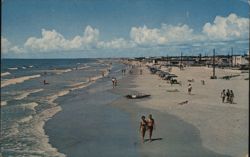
162 36
52 40
218 33
7 47
118 43
227 28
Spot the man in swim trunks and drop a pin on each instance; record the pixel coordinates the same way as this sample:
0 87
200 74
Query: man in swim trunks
143 127
189 89
151 126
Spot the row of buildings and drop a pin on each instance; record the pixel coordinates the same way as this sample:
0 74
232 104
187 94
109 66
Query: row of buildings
218 60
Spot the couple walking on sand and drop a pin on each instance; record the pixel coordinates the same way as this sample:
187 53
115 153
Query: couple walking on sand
145 125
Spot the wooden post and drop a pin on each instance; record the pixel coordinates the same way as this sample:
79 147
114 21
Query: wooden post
213 77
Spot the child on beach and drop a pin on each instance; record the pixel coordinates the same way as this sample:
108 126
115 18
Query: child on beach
151 126
189 89
223 95
143 127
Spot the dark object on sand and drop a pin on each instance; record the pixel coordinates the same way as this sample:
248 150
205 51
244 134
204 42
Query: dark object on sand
213 77
228 77
137 96
169 76
182 103
174 81
192 80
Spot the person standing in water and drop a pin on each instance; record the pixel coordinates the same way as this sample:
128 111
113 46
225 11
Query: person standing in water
113 81
143 127
223 95
151 126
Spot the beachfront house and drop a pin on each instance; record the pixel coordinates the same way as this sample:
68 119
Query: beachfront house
239 60
223 61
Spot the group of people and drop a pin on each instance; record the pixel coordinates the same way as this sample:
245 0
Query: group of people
228 95
147 125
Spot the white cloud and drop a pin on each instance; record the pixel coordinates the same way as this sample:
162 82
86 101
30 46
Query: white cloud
221 30
7 47
227 28
161 36
119 43
52 40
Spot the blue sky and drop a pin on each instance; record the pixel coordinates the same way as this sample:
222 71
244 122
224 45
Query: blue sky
122 28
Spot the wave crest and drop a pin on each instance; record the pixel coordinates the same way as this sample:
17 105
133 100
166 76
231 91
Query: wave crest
17 80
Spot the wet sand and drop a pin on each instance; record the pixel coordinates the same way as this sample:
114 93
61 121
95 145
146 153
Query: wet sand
88 126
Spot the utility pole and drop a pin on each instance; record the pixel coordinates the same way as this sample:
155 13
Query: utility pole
181 62
213 77
167 61
232 53
200 58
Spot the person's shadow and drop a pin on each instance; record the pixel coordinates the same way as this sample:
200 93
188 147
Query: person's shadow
154 139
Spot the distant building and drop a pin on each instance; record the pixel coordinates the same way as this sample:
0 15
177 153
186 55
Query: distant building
240 60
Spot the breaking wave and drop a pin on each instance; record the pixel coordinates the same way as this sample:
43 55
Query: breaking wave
17 80
5 74
27 93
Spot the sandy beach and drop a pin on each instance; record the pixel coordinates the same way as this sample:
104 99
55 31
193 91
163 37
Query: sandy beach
221 127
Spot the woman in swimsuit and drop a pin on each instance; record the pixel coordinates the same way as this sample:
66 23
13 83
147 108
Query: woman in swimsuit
143 127
151 125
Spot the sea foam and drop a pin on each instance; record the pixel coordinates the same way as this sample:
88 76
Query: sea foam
17 80
5 74
30 106
15 68
26 119
27 93
3 103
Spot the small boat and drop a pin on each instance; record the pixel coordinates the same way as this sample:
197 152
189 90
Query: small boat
134 96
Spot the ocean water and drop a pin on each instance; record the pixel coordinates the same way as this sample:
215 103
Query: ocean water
27 104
